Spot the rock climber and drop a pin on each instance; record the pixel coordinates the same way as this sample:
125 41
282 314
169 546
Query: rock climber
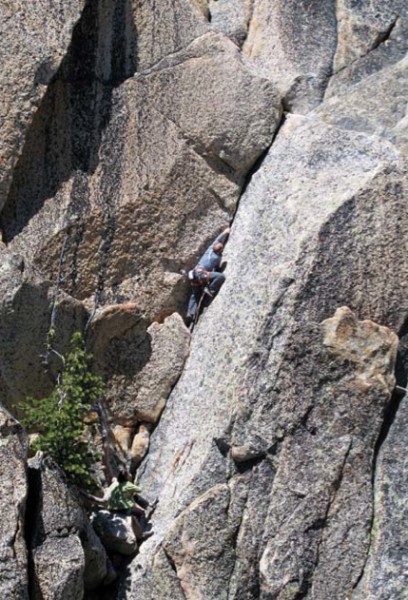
123 497
205 277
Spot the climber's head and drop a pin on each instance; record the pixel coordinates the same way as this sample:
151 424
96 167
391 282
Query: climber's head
122 476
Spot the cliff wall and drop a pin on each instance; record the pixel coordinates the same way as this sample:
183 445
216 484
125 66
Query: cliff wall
133 132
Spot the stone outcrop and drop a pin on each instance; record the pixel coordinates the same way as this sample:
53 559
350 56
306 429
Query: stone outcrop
13 495
298 55
125 131
67 556
232 17
141 364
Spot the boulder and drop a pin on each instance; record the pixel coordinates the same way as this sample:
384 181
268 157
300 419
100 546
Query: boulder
123 436
140 445
115 531
59 569
140 394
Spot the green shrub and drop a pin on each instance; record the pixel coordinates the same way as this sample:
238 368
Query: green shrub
59 418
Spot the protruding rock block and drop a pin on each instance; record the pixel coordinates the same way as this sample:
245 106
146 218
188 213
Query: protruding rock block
140 445
115 531
372 348
143 396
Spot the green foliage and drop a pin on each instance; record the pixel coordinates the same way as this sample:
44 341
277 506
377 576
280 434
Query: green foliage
59 419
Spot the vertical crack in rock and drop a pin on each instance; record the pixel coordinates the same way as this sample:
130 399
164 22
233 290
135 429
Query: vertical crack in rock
390 414
323 521
258 163
33 509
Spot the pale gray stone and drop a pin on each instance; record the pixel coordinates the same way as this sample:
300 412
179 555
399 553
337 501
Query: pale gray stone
293 44
13 495
376 104
59 569
232 17
363 26
310 213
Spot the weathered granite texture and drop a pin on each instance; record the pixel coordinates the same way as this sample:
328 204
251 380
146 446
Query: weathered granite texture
107 153
293 44
232 17
385 574
34 38
13 495
66 555
179 147
323 200
271 461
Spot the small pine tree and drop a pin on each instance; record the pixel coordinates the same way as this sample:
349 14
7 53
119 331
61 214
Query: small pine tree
59 418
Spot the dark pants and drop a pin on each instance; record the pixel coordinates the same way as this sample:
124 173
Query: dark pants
215 282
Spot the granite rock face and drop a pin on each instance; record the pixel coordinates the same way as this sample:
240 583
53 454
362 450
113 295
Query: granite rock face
145 112
13 495
277 459
67 556
34 40
276 403
293 43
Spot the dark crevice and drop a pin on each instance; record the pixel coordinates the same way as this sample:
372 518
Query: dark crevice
390 412
384 36
223 446
171 562
32 528
388 419
248 465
